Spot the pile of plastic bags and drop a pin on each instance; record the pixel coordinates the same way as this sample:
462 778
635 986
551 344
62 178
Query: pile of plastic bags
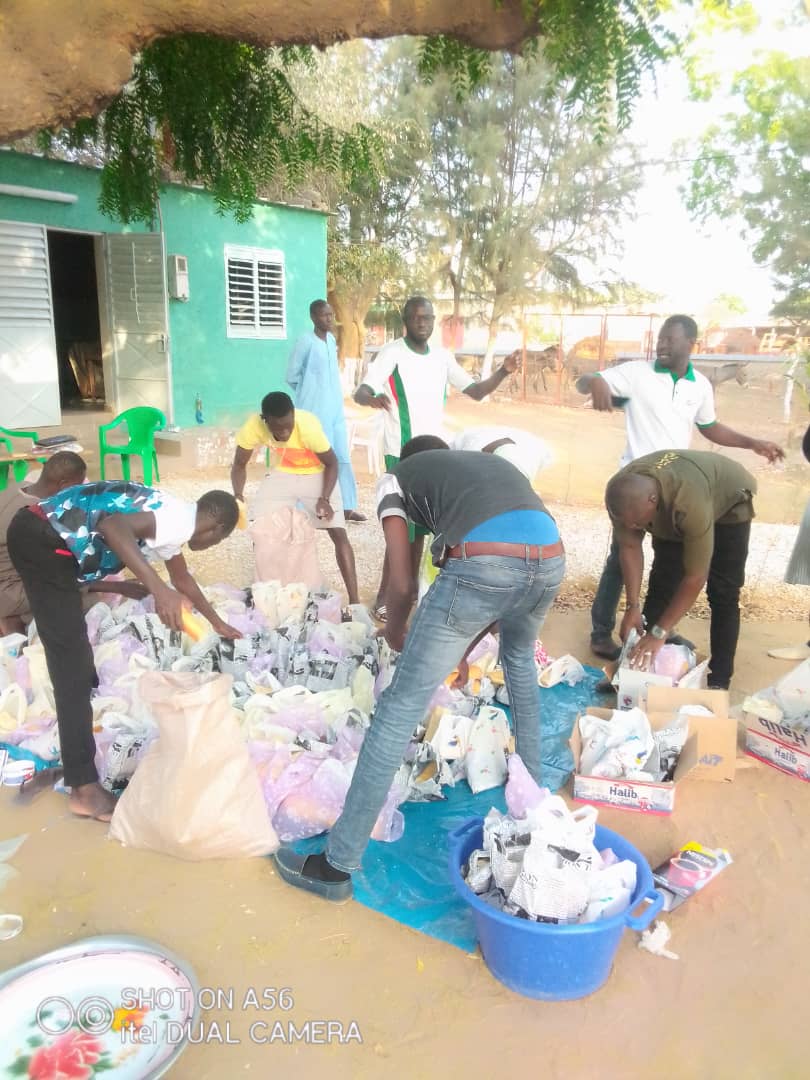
305 678
625 746
539 861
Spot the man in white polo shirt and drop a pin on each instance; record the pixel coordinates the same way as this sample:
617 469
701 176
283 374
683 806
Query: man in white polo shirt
662 402
408 379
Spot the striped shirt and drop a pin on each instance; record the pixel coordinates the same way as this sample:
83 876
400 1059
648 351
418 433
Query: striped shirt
417 385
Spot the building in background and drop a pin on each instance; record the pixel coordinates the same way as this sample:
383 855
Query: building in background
205 308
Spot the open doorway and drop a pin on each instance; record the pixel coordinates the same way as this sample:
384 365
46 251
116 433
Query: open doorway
74 290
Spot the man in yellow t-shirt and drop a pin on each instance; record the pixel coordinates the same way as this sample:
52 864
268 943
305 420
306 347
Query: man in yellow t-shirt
304 470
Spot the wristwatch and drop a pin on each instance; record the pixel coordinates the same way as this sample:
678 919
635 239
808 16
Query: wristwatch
658 632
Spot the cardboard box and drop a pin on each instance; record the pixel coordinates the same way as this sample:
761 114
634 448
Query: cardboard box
709 753
778 740
633 685
718 733
777 744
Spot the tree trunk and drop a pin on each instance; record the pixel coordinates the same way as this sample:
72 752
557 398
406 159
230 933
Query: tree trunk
350 305
486 367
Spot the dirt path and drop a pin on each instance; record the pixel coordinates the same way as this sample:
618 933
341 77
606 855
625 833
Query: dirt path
427 1010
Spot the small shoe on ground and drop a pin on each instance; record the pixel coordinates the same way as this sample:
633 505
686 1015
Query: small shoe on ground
353 515
791 652
606 647
314 874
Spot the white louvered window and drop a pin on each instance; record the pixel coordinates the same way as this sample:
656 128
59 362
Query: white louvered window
255 297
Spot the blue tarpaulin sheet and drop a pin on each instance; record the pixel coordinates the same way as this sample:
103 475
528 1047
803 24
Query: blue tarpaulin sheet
410 880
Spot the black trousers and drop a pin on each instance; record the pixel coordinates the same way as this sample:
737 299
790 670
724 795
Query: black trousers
726 578
48 574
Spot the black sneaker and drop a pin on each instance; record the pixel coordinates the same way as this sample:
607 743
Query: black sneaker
606 647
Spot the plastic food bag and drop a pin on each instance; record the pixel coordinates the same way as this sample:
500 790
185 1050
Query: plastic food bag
13 709
522 793
195 794
486 750
314 806
291 601
674 661
615 747
329 605
284 546
548 885
565 669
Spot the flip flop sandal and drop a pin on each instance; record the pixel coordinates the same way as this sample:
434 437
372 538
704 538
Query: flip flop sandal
352 515
790 652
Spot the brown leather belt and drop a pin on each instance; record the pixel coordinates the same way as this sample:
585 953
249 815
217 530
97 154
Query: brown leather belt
514 551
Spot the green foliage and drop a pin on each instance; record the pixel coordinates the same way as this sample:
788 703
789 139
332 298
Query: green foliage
217 113
753 165
521 199
598 50
355 263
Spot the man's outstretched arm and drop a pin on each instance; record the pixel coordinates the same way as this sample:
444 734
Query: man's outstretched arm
726 436
478 391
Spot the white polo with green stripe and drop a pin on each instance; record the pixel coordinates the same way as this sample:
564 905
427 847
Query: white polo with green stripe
417 385
662 408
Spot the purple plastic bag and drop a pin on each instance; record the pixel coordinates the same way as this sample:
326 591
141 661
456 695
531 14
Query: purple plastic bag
522 792
330 608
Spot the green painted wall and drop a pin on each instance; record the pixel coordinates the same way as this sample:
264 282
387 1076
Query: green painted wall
230 374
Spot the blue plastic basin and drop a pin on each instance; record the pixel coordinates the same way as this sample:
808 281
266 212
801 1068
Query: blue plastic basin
543 960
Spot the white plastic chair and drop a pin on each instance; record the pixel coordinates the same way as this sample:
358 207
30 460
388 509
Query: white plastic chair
348 375
368 433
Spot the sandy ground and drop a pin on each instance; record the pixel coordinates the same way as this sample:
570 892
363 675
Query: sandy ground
425 1009
727 1008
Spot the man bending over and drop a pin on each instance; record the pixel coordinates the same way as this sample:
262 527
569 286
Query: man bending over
84 534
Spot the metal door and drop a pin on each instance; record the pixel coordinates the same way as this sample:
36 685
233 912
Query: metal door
136 286
29 373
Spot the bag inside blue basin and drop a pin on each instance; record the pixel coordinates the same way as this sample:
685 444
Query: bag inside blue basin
409 880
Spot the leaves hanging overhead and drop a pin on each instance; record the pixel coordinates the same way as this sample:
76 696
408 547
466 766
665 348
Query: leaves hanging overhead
217 113
599 50
753 166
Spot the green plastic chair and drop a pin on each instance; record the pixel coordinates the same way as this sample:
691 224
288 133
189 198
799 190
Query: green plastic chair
142 423
19 468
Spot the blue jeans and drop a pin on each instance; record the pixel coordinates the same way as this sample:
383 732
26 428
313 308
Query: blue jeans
468 596
608 594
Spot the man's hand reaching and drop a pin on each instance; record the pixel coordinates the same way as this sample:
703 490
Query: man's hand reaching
772 451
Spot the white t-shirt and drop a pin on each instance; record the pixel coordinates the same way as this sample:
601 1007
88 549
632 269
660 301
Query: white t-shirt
417 386
529 454
175 521
661 411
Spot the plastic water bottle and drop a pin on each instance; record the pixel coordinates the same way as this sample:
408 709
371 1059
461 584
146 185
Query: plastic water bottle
198 410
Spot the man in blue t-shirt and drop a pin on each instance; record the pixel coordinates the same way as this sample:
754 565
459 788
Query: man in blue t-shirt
502 561
83 534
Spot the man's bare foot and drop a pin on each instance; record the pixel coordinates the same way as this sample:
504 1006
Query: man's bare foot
93 801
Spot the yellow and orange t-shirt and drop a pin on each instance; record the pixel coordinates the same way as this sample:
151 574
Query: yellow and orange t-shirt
299 454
